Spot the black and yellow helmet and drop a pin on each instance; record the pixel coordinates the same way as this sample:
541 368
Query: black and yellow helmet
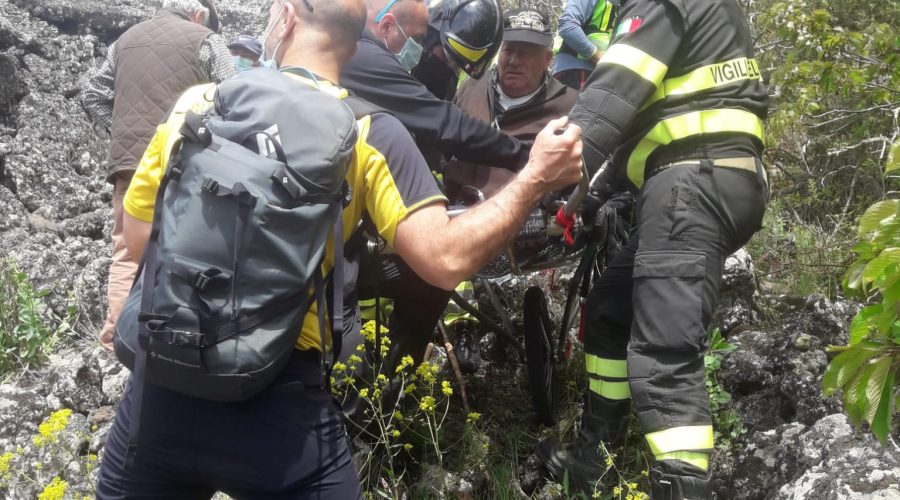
470 31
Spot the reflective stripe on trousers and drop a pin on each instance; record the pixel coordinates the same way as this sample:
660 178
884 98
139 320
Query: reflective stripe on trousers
655 301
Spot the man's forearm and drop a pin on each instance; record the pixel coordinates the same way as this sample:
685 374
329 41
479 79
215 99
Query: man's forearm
446 251
480 234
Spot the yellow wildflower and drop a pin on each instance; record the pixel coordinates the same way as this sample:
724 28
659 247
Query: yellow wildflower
407 446
364 393
54 424
409 388
381 378
617 491
632 486
354 359
427 403
339 367
426 371
56 490
446 389
404 362
396 433
645 473
609 461
5 459
398 416
473 417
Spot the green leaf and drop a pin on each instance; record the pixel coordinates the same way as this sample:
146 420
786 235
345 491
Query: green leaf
851 398
853 278
878 374
893 162
881 423
845 365
861 326
875 214
865 250
881 264
891 292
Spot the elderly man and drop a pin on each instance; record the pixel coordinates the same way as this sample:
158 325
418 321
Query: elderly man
130 93
288 441
519 97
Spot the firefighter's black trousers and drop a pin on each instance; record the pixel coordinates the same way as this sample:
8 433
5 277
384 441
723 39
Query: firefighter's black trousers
654 303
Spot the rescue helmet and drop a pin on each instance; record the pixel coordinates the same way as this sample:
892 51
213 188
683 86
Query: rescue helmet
470 31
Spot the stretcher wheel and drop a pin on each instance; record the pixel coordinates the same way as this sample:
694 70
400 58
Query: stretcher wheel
539 357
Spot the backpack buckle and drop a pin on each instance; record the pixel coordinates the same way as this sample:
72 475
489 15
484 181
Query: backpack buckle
201 280
210 186
184 338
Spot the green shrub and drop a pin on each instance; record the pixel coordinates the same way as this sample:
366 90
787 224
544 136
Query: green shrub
867 369
799 258
727 422
29 329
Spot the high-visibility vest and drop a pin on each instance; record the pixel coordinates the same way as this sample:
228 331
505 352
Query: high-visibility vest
598 29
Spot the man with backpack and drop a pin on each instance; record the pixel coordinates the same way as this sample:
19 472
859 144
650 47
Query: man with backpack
286 439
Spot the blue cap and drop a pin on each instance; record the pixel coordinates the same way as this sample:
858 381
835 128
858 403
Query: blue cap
248 42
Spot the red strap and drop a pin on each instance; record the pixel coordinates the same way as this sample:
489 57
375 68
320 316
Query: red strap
567 222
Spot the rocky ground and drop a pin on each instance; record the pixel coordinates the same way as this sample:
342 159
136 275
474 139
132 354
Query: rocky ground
55 219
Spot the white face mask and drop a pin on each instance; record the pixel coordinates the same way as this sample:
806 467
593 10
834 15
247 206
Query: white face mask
268 60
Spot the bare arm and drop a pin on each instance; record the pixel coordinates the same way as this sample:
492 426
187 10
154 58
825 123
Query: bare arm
446 251
136 233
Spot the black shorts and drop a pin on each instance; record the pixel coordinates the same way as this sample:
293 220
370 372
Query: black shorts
286 443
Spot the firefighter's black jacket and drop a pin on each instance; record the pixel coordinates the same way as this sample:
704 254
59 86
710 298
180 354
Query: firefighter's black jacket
438 126
678 82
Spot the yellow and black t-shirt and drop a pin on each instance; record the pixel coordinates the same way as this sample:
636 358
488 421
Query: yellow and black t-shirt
388 177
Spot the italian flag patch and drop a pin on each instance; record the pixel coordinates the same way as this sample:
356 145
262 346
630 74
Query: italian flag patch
628 25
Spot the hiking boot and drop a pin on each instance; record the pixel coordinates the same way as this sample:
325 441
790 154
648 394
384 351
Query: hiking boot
581 462
677 480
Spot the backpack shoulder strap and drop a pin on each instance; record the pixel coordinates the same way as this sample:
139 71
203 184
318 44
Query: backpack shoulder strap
362 107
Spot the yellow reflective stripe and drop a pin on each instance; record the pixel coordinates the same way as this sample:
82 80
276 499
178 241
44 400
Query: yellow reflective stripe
688 438
679 127
708 77
698 459
472 55
615 368
638 61
610 390
607 13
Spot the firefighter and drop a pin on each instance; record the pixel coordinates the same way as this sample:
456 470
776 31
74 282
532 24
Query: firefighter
677 104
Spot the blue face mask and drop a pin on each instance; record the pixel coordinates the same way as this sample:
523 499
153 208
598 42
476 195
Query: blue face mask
410 53
268 60
242 63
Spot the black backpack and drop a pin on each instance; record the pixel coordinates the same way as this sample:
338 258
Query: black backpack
239 233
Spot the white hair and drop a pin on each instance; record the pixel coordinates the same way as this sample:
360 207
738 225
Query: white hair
188 8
